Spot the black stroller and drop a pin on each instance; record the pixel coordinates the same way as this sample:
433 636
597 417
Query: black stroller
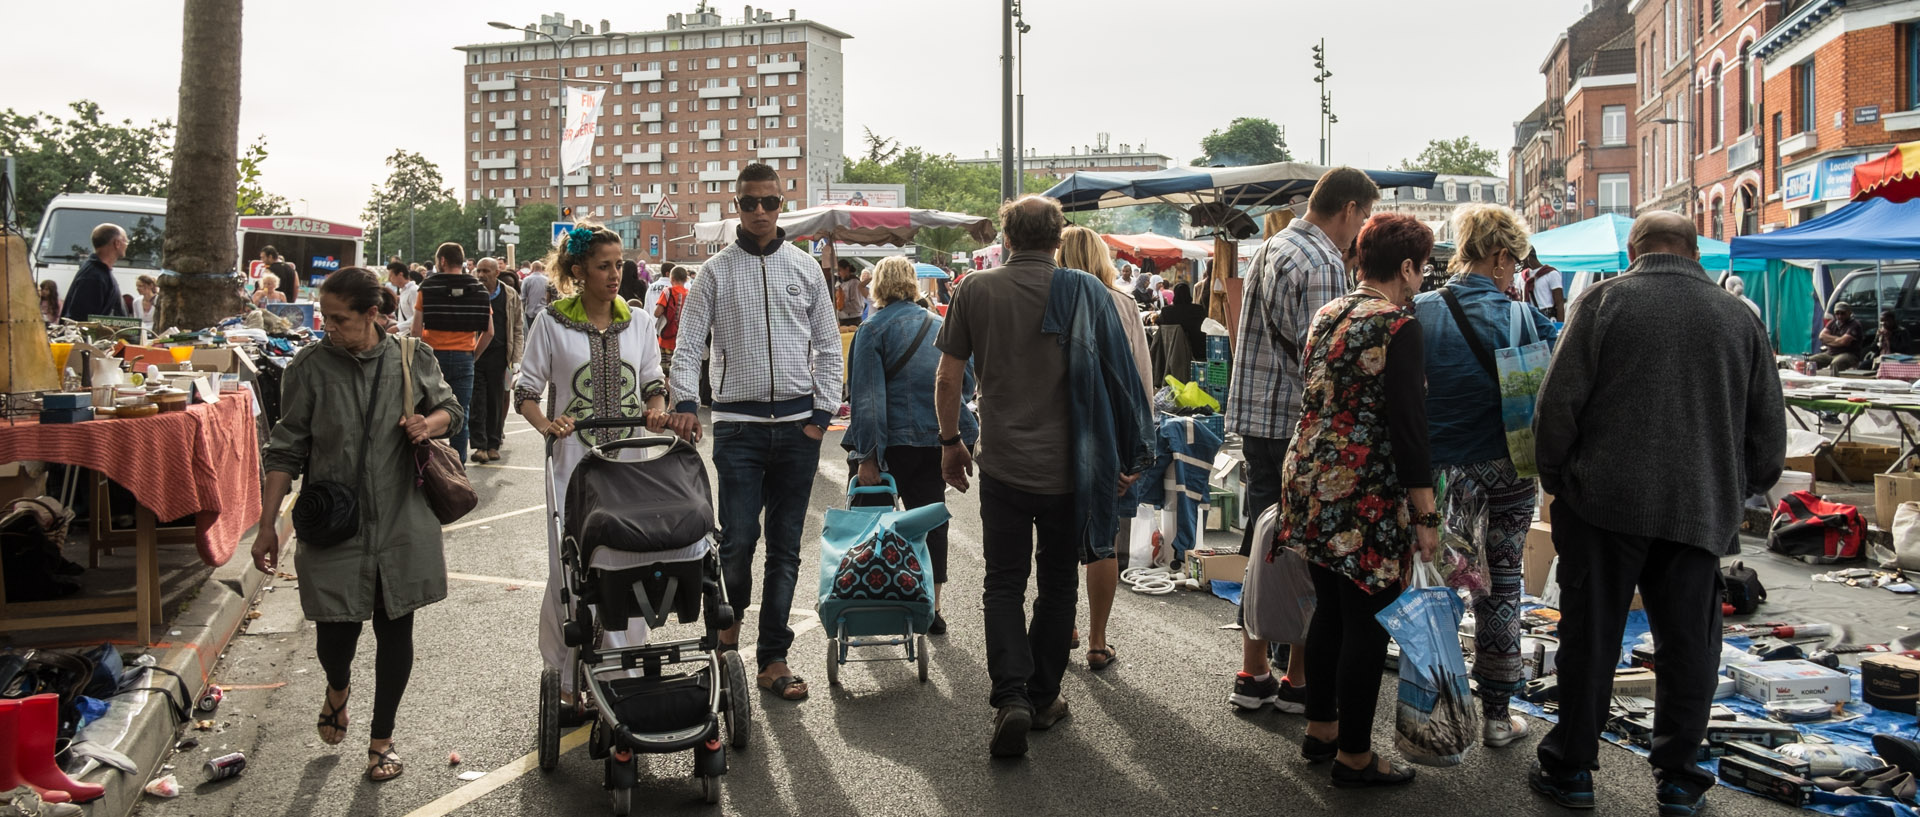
638 542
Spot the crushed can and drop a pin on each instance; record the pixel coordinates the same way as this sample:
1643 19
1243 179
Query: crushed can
210 700
225 766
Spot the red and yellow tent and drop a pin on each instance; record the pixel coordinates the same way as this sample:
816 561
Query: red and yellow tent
1894 177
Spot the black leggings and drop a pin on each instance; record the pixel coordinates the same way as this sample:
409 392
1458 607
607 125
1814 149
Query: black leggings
916 470
335 642
1346 653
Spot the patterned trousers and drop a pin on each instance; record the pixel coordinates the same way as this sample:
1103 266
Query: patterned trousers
1510 499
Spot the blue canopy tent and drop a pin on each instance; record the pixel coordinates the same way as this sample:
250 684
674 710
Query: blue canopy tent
1873 229
1599 244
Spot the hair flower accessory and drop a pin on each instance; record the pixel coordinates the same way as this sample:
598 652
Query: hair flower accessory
577 240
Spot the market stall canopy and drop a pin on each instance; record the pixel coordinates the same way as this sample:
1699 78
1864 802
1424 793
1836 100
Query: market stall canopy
1873 229
1599 244
1894 177
930 271
1162 249
1272 185
855 225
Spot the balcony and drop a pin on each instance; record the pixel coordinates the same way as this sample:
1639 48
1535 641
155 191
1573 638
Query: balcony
720 93
648 158
649 116
498 85
1900 120
780 153
719 175
788 67
767 110
573 180
1743 153
508 122
709 133
507 201
640 76
649 198
501 163
1805 140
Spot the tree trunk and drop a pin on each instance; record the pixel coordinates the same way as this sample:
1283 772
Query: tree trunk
201 286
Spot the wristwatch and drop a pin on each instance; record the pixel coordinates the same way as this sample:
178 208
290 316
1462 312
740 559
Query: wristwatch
953 440
1430 519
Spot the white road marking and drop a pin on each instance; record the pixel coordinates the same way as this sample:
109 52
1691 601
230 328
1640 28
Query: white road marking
513 467
494 518
465 795
471 577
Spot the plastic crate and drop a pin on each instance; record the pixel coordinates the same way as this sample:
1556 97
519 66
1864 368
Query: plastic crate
1197 372
1216 422
1216 373
1217 348
1219 392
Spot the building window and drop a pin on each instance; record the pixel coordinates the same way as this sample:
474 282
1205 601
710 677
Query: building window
1718 113
1615 193
1804 103
1912 46
1613 125
1747 109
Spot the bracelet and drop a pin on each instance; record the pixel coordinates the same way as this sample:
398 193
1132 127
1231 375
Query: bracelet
947 441
1430 519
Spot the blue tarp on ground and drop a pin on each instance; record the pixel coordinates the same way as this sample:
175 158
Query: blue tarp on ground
1599 244
1871 230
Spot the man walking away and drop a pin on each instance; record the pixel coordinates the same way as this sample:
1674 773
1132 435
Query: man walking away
490 366
777 361
452 314
1624 516
1056 371
534 291
1295 273
93 291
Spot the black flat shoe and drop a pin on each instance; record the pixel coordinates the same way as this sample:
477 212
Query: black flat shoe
939 625
1347 777
1316 750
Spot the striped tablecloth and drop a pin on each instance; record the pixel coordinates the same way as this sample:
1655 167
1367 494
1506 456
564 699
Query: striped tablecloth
203 462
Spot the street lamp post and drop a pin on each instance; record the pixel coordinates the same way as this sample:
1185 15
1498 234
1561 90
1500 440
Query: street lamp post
1008 188
1020 99
1327 119
560 133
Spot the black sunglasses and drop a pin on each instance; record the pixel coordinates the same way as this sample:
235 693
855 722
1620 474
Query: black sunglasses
749 204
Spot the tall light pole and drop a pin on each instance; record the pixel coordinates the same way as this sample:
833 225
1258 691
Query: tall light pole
1020 100
1327 119
1008 188
560 133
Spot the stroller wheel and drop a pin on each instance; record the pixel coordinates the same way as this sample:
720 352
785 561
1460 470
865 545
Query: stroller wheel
739 703
923 659
548 749
622 802
833 662
710 789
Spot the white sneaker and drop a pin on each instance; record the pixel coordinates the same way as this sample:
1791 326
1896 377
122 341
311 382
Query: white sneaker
1502 732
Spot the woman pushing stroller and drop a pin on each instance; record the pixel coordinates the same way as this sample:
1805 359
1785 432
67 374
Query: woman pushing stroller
588 356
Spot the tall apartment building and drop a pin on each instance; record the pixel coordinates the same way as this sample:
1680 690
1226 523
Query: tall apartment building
686 108
1663 32
1573 155
1841 85
1728 147
1097 157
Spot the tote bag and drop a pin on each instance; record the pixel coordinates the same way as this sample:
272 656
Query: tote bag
1521 368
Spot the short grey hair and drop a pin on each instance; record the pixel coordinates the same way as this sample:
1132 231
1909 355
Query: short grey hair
1032 223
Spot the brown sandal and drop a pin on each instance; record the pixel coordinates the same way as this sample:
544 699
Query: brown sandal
331 718
1101 658
385 766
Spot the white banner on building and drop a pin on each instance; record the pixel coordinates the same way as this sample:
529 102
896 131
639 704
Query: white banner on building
583 114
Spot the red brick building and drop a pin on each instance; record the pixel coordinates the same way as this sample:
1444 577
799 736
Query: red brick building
1663 33
1841 85
1542 164
1727 145
1600 124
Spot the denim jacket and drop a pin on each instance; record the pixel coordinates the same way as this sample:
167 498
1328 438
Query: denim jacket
1463 401
898 410
1112 418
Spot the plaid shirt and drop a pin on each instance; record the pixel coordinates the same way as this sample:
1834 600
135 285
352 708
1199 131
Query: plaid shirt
1292 276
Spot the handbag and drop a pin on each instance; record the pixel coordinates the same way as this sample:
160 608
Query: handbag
437 470
1741 588
1277 594
1517 372
328 512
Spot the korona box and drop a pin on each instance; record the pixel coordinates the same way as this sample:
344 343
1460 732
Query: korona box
1890 682
1784 680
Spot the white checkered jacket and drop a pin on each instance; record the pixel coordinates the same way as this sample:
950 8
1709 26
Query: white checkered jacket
776 344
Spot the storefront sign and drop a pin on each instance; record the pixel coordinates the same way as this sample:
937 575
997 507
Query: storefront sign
1797 186
1866 114
296 224
1836 176
327 263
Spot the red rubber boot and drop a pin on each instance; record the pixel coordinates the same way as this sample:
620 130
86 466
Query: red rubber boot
36 725
9 737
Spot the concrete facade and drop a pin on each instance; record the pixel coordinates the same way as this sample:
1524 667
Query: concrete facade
686 108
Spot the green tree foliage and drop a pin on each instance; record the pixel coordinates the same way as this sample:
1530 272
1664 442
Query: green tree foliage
1246 141
84 153
415 188
1458 157
252 199
536 232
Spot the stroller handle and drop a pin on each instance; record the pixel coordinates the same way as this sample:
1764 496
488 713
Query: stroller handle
617 422
887 486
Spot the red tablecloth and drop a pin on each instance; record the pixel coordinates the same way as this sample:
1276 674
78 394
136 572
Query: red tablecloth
203 462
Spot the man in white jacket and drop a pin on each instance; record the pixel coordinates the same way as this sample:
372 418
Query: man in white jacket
775 366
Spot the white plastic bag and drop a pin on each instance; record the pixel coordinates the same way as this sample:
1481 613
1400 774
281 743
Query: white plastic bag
1143 540
1906 537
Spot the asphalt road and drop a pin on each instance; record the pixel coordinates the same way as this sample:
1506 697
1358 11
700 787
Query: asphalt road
1151 736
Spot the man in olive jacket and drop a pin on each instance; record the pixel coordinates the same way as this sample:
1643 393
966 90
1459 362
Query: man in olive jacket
1661 413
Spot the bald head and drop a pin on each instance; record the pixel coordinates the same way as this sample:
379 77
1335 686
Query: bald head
487 269
1663 231
1032 223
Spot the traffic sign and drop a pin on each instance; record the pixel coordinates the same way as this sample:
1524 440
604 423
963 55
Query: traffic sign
653 245
560 229
665 211
510 232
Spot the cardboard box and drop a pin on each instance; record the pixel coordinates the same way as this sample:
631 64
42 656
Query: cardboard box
22 480
1546 508
224 361
1861 460
1889 490
1805 465
1890 682
1784 680
1537 557
1230 567
1637 683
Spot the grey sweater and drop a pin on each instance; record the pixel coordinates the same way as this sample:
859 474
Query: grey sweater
1662 410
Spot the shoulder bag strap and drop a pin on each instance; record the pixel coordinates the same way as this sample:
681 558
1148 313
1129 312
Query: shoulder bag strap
406 370
894 368
366 419
1466 330
1328 330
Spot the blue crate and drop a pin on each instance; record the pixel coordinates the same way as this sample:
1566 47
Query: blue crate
1218 392
1197 372
1217 348
1216 422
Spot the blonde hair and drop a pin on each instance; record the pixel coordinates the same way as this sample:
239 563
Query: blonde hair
269 281
1082 249
895 280
1481 231
147 280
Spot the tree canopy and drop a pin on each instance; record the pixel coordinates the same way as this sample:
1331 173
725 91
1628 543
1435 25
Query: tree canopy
252 199
1458 157
1246 141
83 153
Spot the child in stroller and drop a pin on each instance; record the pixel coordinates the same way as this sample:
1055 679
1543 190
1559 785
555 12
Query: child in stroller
638 544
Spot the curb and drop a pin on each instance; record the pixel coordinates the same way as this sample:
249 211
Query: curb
205 629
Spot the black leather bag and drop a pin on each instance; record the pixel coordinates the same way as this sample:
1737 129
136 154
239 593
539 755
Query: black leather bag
1741 588
327 512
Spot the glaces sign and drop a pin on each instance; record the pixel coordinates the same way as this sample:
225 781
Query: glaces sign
302 225
298 225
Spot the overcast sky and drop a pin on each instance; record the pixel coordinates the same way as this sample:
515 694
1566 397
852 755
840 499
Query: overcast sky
338 86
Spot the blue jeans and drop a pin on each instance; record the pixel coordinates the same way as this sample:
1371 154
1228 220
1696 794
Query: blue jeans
770 467
457 369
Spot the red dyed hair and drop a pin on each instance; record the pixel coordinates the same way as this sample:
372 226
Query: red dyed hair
1390 238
